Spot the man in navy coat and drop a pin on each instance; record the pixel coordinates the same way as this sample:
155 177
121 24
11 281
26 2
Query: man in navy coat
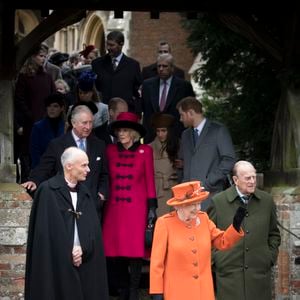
117 74
50 164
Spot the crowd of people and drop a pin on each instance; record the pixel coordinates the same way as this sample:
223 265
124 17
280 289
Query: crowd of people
109 149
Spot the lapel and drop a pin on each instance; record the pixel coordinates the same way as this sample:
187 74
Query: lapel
155 94
107 64
190 139
69 141
89 148
172 92
122 63
203 134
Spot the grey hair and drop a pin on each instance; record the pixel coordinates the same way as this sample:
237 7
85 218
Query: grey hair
165 57
78 110
241 164
70 155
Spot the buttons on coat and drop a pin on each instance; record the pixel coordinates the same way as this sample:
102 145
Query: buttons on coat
196 276
194 251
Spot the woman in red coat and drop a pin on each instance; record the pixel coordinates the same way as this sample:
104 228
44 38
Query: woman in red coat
132 202
180 264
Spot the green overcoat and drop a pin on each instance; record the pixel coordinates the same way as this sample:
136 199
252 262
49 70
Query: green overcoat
244 272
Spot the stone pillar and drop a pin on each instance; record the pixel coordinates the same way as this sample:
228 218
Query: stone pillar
287 272
15 205
7 166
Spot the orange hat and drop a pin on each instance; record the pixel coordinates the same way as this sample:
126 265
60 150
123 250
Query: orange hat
188 193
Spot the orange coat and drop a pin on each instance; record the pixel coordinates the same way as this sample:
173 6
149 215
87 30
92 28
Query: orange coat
180 265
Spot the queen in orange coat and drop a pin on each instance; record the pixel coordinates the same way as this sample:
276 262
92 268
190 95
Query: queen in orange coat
180 264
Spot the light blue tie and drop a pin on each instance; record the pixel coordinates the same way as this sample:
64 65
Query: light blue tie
81 144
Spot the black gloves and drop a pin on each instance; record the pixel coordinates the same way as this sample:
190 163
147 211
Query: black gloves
239 217
151 219
157 297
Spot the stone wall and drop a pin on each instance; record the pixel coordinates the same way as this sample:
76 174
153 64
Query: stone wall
287 275
15 206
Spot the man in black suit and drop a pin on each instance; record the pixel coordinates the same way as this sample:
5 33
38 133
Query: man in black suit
115 106
161 94
118 74
151 70
79 136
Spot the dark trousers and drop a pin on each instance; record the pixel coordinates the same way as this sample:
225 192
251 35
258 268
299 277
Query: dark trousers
124 276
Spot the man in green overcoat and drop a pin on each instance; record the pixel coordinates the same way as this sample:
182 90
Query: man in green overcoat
244 272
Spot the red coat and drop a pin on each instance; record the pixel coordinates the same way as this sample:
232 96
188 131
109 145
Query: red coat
125 213
180 264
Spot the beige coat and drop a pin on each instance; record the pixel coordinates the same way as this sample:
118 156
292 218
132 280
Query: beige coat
165 177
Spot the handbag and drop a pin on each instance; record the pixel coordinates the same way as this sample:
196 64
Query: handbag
149 235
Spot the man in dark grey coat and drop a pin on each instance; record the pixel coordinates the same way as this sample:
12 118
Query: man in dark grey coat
97 179
244 272
206 152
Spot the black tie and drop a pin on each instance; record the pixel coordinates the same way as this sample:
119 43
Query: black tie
195 136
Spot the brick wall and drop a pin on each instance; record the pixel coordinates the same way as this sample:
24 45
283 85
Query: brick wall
145 33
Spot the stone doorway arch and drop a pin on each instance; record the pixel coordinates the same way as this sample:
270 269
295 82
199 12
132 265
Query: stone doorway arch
93 31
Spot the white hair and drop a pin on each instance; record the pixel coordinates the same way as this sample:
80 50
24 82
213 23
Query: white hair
70 155
240 165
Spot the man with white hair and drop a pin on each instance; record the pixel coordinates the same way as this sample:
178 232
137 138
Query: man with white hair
65 258
244 272
81 136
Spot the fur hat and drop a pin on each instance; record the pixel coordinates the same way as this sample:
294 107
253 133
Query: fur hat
58 57
86 80
187 193
87 50
127 120
55 97
161 120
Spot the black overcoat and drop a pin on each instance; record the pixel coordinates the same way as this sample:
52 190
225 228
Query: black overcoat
50 273
124 82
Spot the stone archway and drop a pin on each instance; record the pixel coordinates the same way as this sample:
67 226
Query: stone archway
93 31
25 22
